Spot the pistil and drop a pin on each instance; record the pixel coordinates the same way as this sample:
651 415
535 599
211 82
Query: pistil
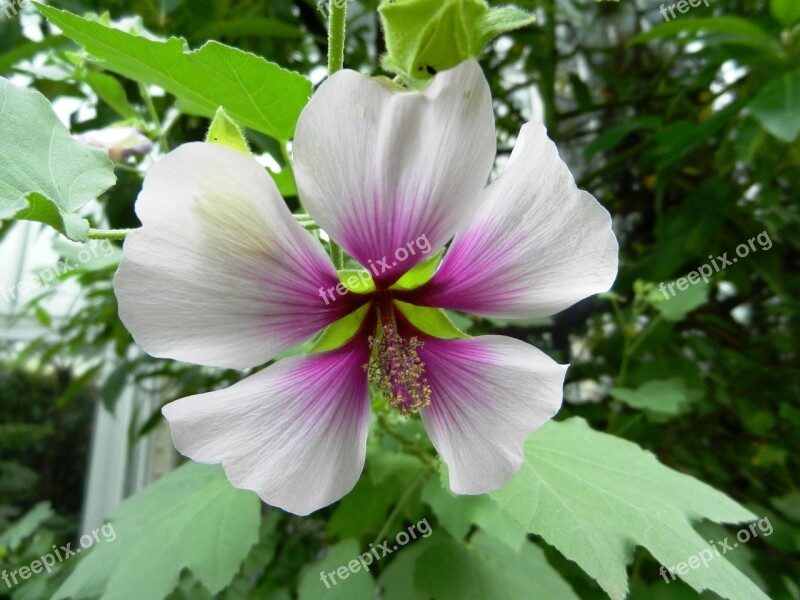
396 367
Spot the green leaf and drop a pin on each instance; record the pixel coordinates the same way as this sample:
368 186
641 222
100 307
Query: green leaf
284 179
225 132
396 580
388 476
110 91
45 175
77 384
340 332
502 19
424 37
786 11
420 274
26 526
258 94
717 30
678 139
113 386
355 585
665 396
432 321
29 49
457 514
775 107
191 519
485 568
594 497
676 307
613 136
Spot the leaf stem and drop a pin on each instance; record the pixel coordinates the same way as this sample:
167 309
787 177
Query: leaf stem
399 506
108 234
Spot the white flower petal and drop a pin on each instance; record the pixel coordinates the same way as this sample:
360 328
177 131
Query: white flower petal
488 394
537 245
379 168
220 274
295 433
121 142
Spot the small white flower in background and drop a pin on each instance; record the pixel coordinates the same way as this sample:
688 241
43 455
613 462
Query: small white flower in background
121 142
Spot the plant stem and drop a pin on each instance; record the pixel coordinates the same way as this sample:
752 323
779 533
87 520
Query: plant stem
337 256
284 144
336 28
336 31
407 445
108 234
399 506
151 110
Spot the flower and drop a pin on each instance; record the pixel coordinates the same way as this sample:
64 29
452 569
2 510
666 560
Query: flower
220 274
121 142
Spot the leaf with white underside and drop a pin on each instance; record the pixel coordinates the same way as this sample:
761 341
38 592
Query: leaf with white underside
191 519
596 497
256 93
45 175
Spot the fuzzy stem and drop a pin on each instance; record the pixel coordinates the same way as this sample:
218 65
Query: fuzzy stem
336 30
108 234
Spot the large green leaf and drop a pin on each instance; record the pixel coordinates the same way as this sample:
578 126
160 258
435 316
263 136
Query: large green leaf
389 474
596 497
256 93
776 107
486 568
193 518
457 514
345 577
45 175
396 580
